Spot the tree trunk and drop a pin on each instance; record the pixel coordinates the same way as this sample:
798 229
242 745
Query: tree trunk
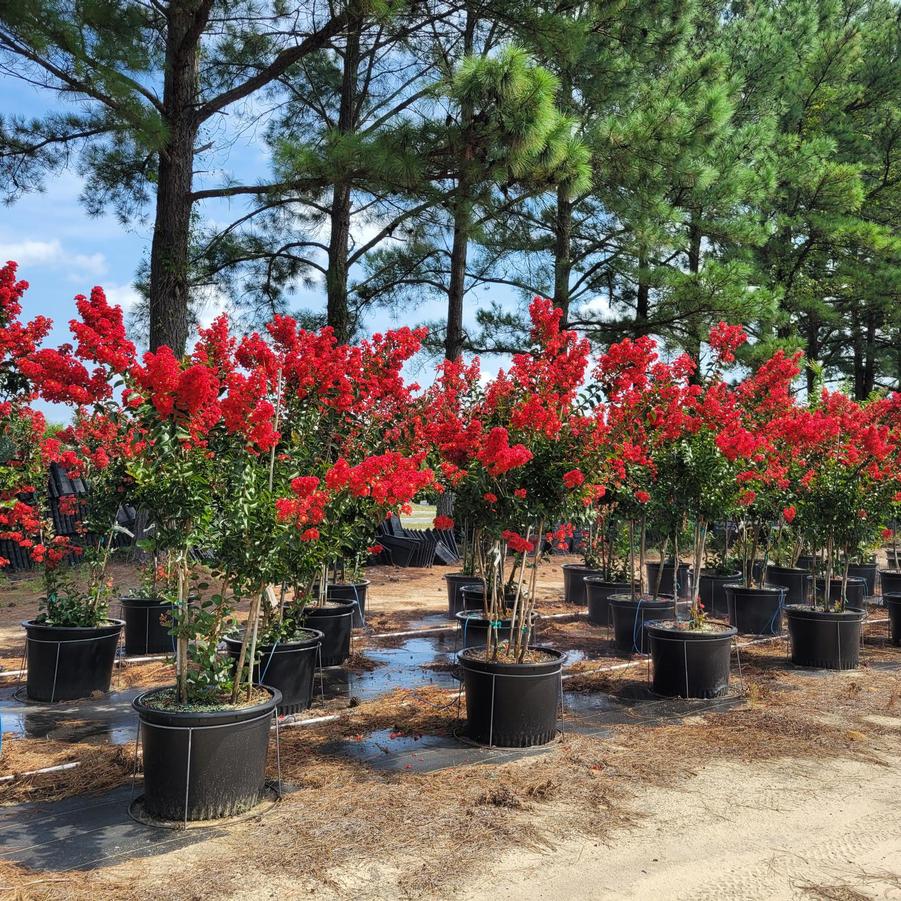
562 253
462 212
812 349
169 283
695 319
642 299
869 363
338 314
453 346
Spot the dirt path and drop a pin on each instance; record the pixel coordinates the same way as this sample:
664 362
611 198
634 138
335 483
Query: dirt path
783 830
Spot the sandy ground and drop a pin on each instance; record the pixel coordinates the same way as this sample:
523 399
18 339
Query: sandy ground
800 829
794 794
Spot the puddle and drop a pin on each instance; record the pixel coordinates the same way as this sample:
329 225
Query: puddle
401 667
106 720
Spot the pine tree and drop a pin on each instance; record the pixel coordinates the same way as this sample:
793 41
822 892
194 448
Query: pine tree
149 84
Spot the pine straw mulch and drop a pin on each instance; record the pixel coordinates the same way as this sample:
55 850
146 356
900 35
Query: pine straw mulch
348 828
100 767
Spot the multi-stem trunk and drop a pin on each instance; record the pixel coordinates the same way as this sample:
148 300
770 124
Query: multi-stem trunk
181 645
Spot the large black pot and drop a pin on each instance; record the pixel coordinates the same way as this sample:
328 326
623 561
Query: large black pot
473 596
794 580
455 583
890 579
355 592
690 664
893 605
574 582
288 666
710 589
147 626
599 592
69 662
666 581
204 765
867 572
756 611
805 562
855 591
474 628
629 617
824 639
334 622
512 705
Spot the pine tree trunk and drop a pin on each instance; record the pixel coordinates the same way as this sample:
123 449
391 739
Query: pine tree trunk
338 314
169 282
812 349
462 213
453 346
563 252
642 298
695 319
869 364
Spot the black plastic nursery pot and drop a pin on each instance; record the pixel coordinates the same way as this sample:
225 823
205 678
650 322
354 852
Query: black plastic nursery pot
574 575
288 666
354 592
893 558
666 581
147 623
690 663
204 765
599 592
455 583
710 589
867 572
855 591
629 617
890 579
512 705
825 639
893 605
69 662
334 621
756 611
793 579
474 628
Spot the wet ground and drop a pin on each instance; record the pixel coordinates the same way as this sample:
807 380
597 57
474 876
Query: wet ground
418 661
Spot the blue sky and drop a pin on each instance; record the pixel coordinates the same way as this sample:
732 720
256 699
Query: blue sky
62 251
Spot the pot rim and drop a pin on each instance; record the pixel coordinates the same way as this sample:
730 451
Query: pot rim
711 574
334 607
474 579
763 590
477 614
561 658
110 624
644 602
143 601
358 583
246 713
285 646
600 580
579 566
666 625
808 611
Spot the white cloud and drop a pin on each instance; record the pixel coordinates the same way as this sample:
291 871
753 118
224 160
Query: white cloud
210 303
125 296
30 252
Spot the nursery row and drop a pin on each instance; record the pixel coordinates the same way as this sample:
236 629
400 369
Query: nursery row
273 459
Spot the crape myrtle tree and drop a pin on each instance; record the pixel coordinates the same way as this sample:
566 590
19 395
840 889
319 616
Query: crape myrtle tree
151 85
